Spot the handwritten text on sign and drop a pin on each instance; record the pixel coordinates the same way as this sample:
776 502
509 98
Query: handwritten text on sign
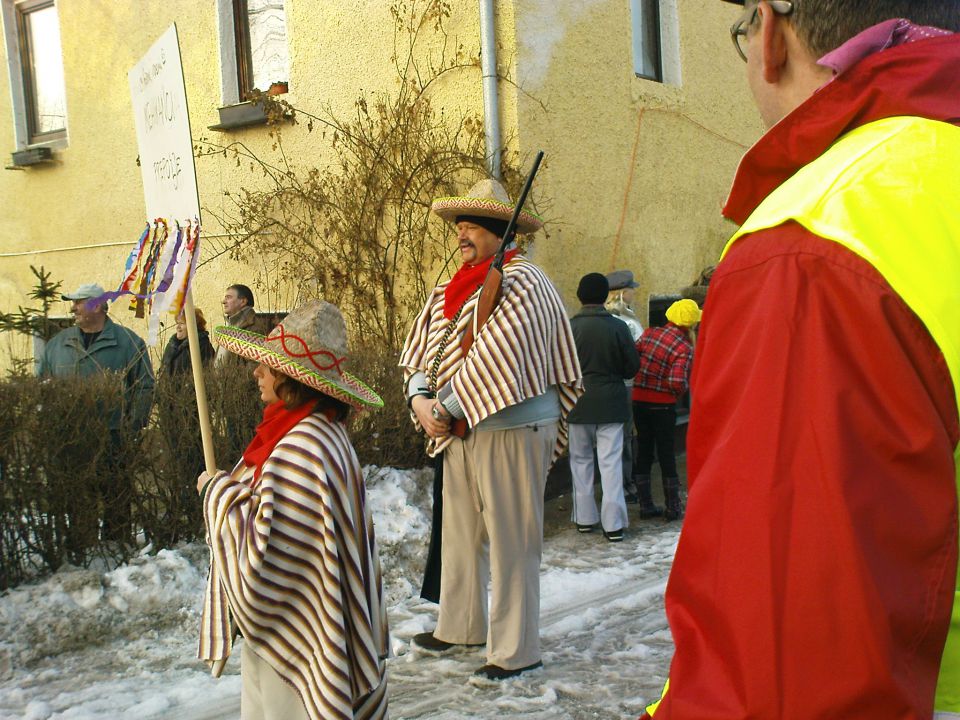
163 131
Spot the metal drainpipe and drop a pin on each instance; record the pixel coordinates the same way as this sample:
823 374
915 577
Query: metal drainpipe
491 101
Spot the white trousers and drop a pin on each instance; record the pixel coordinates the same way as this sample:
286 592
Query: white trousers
493 486
608 439
264 695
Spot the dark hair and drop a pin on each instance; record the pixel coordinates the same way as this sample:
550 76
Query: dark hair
201 320
243 292
495 225
593 289
825 25
294 393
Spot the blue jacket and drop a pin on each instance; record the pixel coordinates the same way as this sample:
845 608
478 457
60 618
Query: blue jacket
116 349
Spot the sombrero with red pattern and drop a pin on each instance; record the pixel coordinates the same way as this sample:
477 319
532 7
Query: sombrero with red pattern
486 199
310 345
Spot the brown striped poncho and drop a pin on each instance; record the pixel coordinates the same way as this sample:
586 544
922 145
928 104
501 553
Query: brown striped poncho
294 564
525 347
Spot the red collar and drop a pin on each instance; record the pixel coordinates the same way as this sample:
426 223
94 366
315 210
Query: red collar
466 281
277 422
920 79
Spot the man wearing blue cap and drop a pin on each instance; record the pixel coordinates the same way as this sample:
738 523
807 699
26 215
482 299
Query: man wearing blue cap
96 345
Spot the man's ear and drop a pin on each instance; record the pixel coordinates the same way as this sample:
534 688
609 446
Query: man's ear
773 44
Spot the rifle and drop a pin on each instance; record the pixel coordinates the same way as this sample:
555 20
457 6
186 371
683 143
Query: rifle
492 289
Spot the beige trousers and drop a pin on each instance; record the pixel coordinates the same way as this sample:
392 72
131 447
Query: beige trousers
493 485
264 695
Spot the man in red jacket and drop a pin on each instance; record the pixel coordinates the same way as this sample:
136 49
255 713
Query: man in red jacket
816 574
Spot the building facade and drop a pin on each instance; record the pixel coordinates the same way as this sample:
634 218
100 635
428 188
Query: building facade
641 107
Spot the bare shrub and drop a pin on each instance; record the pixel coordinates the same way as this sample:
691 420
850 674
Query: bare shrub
359 231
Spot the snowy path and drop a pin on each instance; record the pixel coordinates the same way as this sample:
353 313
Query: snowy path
604 637
604 633
87 644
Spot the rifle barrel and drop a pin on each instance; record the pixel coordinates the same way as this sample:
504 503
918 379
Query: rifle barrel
512 225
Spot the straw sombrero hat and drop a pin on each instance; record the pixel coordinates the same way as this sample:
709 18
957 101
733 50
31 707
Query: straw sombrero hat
486 199
310 345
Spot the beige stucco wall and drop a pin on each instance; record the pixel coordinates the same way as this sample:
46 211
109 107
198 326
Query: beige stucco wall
573 94
638 170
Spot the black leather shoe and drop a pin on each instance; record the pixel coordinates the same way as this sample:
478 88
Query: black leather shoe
584 528
495 672
614 535
651 511
427 641
631 498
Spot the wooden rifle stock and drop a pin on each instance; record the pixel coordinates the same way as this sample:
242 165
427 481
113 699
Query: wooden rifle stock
492 289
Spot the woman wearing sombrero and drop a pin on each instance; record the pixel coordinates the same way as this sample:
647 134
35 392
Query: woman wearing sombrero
294 563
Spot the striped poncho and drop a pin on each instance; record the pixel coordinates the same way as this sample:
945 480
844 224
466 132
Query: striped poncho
294 565
525 347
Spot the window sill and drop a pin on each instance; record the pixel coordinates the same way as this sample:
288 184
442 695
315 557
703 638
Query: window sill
31 156
241 115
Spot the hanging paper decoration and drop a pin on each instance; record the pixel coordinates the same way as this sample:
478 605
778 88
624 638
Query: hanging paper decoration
158 272
171 292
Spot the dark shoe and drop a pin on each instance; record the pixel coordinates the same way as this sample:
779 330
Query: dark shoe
652 511
427 641
584 528
495 672
631 498
670 514
614 535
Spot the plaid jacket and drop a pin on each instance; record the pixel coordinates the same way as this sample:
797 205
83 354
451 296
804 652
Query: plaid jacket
666 354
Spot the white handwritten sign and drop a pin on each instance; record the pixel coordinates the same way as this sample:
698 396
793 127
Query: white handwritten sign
163 132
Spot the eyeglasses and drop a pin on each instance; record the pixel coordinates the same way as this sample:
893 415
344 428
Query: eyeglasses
738 31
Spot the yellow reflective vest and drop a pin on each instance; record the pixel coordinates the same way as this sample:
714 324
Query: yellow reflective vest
889 191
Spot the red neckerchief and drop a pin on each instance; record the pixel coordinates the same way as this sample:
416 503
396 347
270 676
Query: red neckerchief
916 79
277 422
466 281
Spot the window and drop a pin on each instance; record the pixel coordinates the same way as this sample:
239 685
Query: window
32 30
253 48
647 61
655 26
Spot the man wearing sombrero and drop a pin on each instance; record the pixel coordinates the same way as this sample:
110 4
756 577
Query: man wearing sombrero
514 387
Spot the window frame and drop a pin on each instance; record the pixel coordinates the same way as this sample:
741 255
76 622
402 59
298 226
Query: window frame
236 55
243 53
22 79
639 33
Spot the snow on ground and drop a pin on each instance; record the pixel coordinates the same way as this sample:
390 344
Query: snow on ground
122 644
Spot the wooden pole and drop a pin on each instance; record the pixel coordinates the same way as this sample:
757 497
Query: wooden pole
196 363
206 433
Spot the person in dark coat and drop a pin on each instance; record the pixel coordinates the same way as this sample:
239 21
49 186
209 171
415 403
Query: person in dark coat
176 356
607 357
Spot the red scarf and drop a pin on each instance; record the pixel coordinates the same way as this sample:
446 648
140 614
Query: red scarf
466 281
277 422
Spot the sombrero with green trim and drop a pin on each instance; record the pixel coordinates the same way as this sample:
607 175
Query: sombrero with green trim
310 345
486 199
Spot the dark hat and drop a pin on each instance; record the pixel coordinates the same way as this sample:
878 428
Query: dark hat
593 289
620 279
